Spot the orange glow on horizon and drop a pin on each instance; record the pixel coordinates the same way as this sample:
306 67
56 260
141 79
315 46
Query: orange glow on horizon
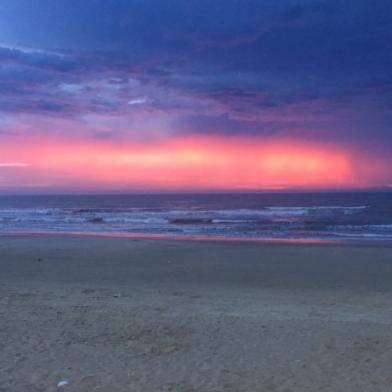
182 164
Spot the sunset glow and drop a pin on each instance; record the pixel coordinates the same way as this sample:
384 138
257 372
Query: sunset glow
185 164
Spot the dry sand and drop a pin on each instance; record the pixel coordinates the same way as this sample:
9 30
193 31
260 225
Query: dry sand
141 315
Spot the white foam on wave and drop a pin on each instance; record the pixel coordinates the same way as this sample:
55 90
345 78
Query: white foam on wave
307 209
362 227
358 235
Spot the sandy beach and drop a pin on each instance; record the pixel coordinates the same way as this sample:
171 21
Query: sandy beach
106 314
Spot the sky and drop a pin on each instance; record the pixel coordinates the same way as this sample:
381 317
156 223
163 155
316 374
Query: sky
195 95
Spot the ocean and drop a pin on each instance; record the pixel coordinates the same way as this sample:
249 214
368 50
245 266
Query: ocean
307 217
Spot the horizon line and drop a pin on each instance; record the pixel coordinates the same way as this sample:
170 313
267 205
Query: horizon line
196 192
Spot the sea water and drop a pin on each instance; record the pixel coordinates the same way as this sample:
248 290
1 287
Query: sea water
339 216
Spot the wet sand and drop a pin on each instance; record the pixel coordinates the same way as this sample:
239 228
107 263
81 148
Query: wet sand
106 314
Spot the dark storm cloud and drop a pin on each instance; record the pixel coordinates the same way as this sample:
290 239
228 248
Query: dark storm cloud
311 67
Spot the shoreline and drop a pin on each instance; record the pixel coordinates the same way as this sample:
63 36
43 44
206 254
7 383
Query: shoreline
300 241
